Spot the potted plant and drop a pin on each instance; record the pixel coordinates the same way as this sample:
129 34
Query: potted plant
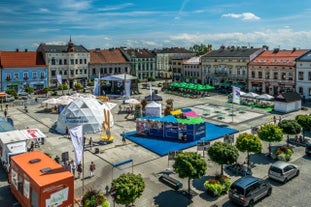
93 198
218 185
283 153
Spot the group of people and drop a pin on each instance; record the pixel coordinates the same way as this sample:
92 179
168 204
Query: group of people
299 139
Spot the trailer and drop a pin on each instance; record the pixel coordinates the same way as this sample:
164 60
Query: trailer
11 143
36 180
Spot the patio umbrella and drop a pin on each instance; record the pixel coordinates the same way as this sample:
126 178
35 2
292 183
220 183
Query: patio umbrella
132 101
251 95
52 101
65 100
265 97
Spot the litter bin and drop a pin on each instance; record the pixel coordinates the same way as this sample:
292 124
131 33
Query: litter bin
96 150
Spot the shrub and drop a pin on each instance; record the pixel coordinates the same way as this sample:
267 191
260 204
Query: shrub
218 185
283 153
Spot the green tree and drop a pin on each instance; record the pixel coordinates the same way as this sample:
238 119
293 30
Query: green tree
200 49
223 153
189 165
290 127
270 133
12 92
128 187
29 90
304 121
248 143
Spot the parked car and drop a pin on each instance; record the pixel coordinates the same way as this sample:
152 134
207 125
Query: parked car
247 190
308 149
23 95
283 171
40 92
7 98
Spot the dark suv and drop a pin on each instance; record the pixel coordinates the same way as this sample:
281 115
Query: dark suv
248 190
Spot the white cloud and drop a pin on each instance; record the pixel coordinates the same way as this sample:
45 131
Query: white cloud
244 16
115 7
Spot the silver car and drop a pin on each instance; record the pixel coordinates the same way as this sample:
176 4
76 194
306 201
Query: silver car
283 171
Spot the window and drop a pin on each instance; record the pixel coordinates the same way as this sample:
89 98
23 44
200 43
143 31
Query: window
15 76
309 75
65 62
283 76
253 74
290 76
71 72
34 75
53 61
20 183
84 61
260 74
53 72
34 198
275 75
42 75
60 61
309 91
300 75
80 61
72 61
65 72
300 90
76 61
25 76
267 75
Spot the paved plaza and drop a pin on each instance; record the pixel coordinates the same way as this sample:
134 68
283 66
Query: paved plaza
146 163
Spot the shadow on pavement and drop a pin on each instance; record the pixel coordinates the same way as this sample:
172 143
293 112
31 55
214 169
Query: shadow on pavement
199 183
171 198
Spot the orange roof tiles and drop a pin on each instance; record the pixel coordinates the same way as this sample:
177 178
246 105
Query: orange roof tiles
107 56
13 59
278 58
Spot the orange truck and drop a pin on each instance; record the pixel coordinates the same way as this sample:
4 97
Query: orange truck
36 180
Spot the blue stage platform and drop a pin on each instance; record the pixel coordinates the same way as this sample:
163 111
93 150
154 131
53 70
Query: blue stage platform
162 147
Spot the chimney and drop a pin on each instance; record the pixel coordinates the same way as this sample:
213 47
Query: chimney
276 50
26 50
17 50
294 49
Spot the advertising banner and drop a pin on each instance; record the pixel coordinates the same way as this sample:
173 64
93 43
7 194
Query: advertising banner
236 95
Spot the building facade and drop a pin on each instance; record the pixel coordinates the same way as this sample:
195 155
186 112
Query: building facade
164 63
70 61
303 75
20 70
107 62
227 64
192 70
274 71
142 62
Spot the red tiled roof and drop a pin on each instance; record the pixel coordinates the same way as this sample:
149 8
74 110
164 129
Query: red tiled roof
107 56
13 59
278 58
139 53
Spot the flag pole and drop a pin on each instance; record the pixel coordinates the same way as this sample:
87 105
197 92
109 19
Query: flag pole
83 161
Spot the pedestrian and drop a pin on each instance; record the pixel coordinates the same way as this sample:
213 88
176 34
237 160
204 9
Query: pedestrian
274 119
32 146
91 143
7 106
92 168
84 140
123 137
244 169
5 113
73 168
57 159
79 170
67 132
280 119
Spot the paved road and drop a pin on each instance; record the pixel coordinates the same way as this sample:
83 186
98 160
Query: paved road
295 193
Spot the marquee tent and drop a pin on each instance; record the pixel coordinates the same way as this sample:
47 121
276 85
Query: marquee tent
88 112
153 109
153 97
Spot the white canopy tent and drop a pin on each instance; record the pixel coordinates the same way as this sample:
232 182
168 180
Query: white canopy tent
88 112
153 109
265 96
250 95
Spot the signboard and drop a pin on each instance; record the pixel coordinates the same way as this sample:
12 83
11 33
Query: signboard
17 147
74 120
201 146
57 198
173 154
33 133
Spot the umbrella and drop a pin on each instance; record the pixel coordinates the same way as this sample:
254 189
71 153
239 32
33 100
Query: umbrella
132 101
265 97
52 101
64 100
251 95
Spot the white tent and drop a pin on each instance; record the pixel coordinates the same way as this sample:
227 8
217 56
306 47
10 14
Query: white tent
265 97
88 112
153 109
251 95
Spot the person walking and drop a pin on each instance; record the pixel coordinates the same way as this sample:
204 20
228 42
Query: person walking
91 143
5 113
123 137
32 146
244 169
73 168
92 168
79 170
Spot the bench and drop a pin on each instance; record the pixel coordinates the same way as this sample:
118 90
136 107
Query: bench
172 182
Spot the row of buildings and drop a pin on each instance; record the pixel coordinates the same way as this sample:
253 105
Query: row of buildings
253 69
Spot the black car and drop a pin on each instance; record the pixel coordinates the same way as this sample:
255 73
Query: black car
308 149
248 190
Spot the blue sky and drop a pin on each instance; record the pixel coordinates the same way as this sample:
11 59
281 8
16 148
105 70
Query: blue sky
155 24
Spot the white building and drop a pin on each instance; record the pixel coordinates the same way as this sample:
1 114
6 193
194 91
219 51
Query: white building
303 75
70 61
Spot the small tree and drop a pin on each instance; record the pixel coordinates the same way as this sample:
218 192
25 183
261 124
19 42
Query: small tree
248 143
189 165
128 187
223 153
94 198
270 133
304 121
290 127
